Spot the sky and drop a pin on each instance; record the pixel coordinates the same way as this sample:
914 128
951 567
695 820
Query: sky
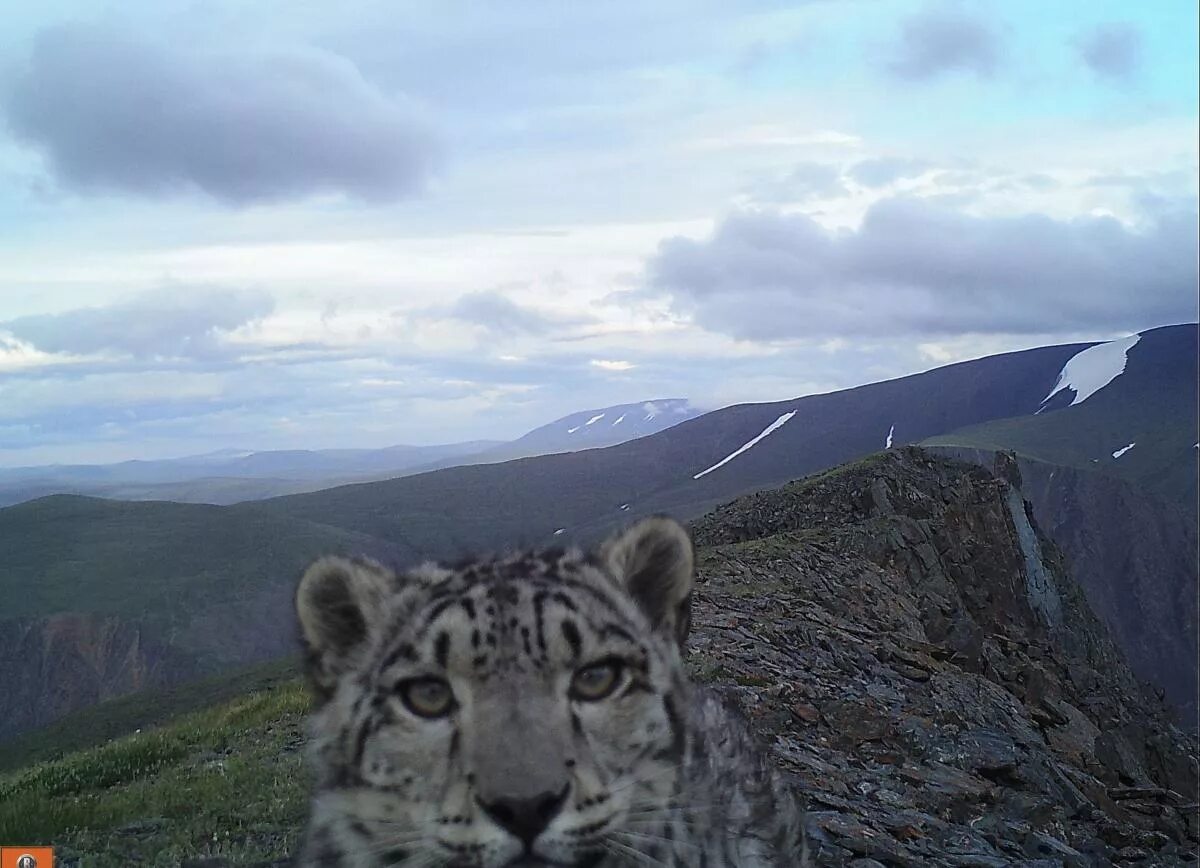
308 225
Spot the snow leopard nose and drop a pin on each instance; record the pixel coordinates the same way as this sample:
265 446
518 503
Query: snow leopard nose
526 818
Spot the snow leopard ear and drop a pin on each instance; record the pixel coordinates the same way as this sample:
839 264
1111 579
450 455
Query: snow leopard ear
654 562
337 604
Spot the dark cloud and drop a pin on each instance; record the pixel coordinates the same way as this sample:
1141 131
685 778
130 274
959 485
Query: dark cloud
919 269
1112 50
882 171
111 112
497 313
175 322
945 40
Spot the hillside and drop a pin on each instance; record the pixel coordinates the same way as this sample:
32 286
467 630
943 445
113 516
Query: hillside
1141 427
105 597
684 470
901 633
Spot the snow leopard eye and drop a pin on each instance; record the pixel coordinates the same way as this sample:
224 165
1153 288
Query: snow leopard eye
596 682
427 697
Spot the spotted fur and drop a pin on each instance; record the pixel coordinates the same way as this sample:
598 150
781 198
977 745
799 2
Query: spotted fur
520 770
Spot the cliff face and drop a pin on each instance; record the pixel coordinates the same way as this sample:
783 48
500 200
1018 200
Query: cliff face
51 666
1134 556
933 678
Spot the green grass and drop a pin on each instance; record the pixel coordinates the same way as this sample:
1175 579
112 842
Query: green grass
105 721
152 561
227 781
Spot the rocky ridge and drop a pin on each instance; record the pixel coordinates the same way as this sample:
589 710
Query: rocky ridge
1133 554
931 677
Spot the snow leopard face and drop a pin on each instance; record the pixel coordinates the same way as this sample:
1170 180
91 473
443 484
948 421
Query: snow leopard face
517 711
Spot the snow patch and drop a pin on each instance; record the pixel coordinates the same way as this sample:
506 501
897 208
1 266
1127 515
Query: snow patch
573 430
593 420
891 433
561 530
624 507
1089 371
774 426
620 419
1123 450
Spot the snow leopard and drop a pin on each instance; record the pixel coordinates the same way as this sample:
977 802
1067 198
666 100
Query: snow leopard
530 709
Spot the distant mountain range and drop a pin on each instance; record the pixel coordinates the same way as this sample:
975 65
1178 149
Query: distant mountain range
1066 405
232 475
591 429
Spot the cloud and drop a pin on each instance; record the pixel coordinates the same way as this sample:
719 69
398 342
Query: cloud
173 322
495 312
882 171
1112 51
807 180
946 40
612 364
114 113
917 268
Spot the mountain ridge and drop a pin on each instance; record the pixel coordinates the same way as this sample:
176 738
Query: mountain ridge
566 498
883 626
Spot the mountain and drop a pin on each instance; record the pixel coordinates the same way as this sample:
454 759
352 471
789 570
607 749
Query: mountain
224 477
237 562
1139 389
233 476
587 429
1139 426
898 629
1133 554
591 429
686 469
102 597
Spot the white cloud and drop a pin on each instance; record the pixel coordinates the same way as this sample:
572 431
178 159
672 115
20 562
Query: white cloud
612 364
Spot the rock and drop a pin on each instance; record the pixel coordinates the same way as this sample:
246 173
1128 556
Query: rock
932 716
977 860
1120 793
805 712
1043 846
988 751
147 826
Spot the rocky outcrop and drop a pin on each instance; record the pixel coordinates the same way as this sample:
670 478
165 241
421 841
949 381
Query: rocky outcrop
1134 555
53 665
50 667
932 677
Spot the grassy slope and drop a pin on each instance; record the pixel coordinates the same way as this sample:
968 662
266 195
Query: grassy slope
98 724
227 781
153 561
